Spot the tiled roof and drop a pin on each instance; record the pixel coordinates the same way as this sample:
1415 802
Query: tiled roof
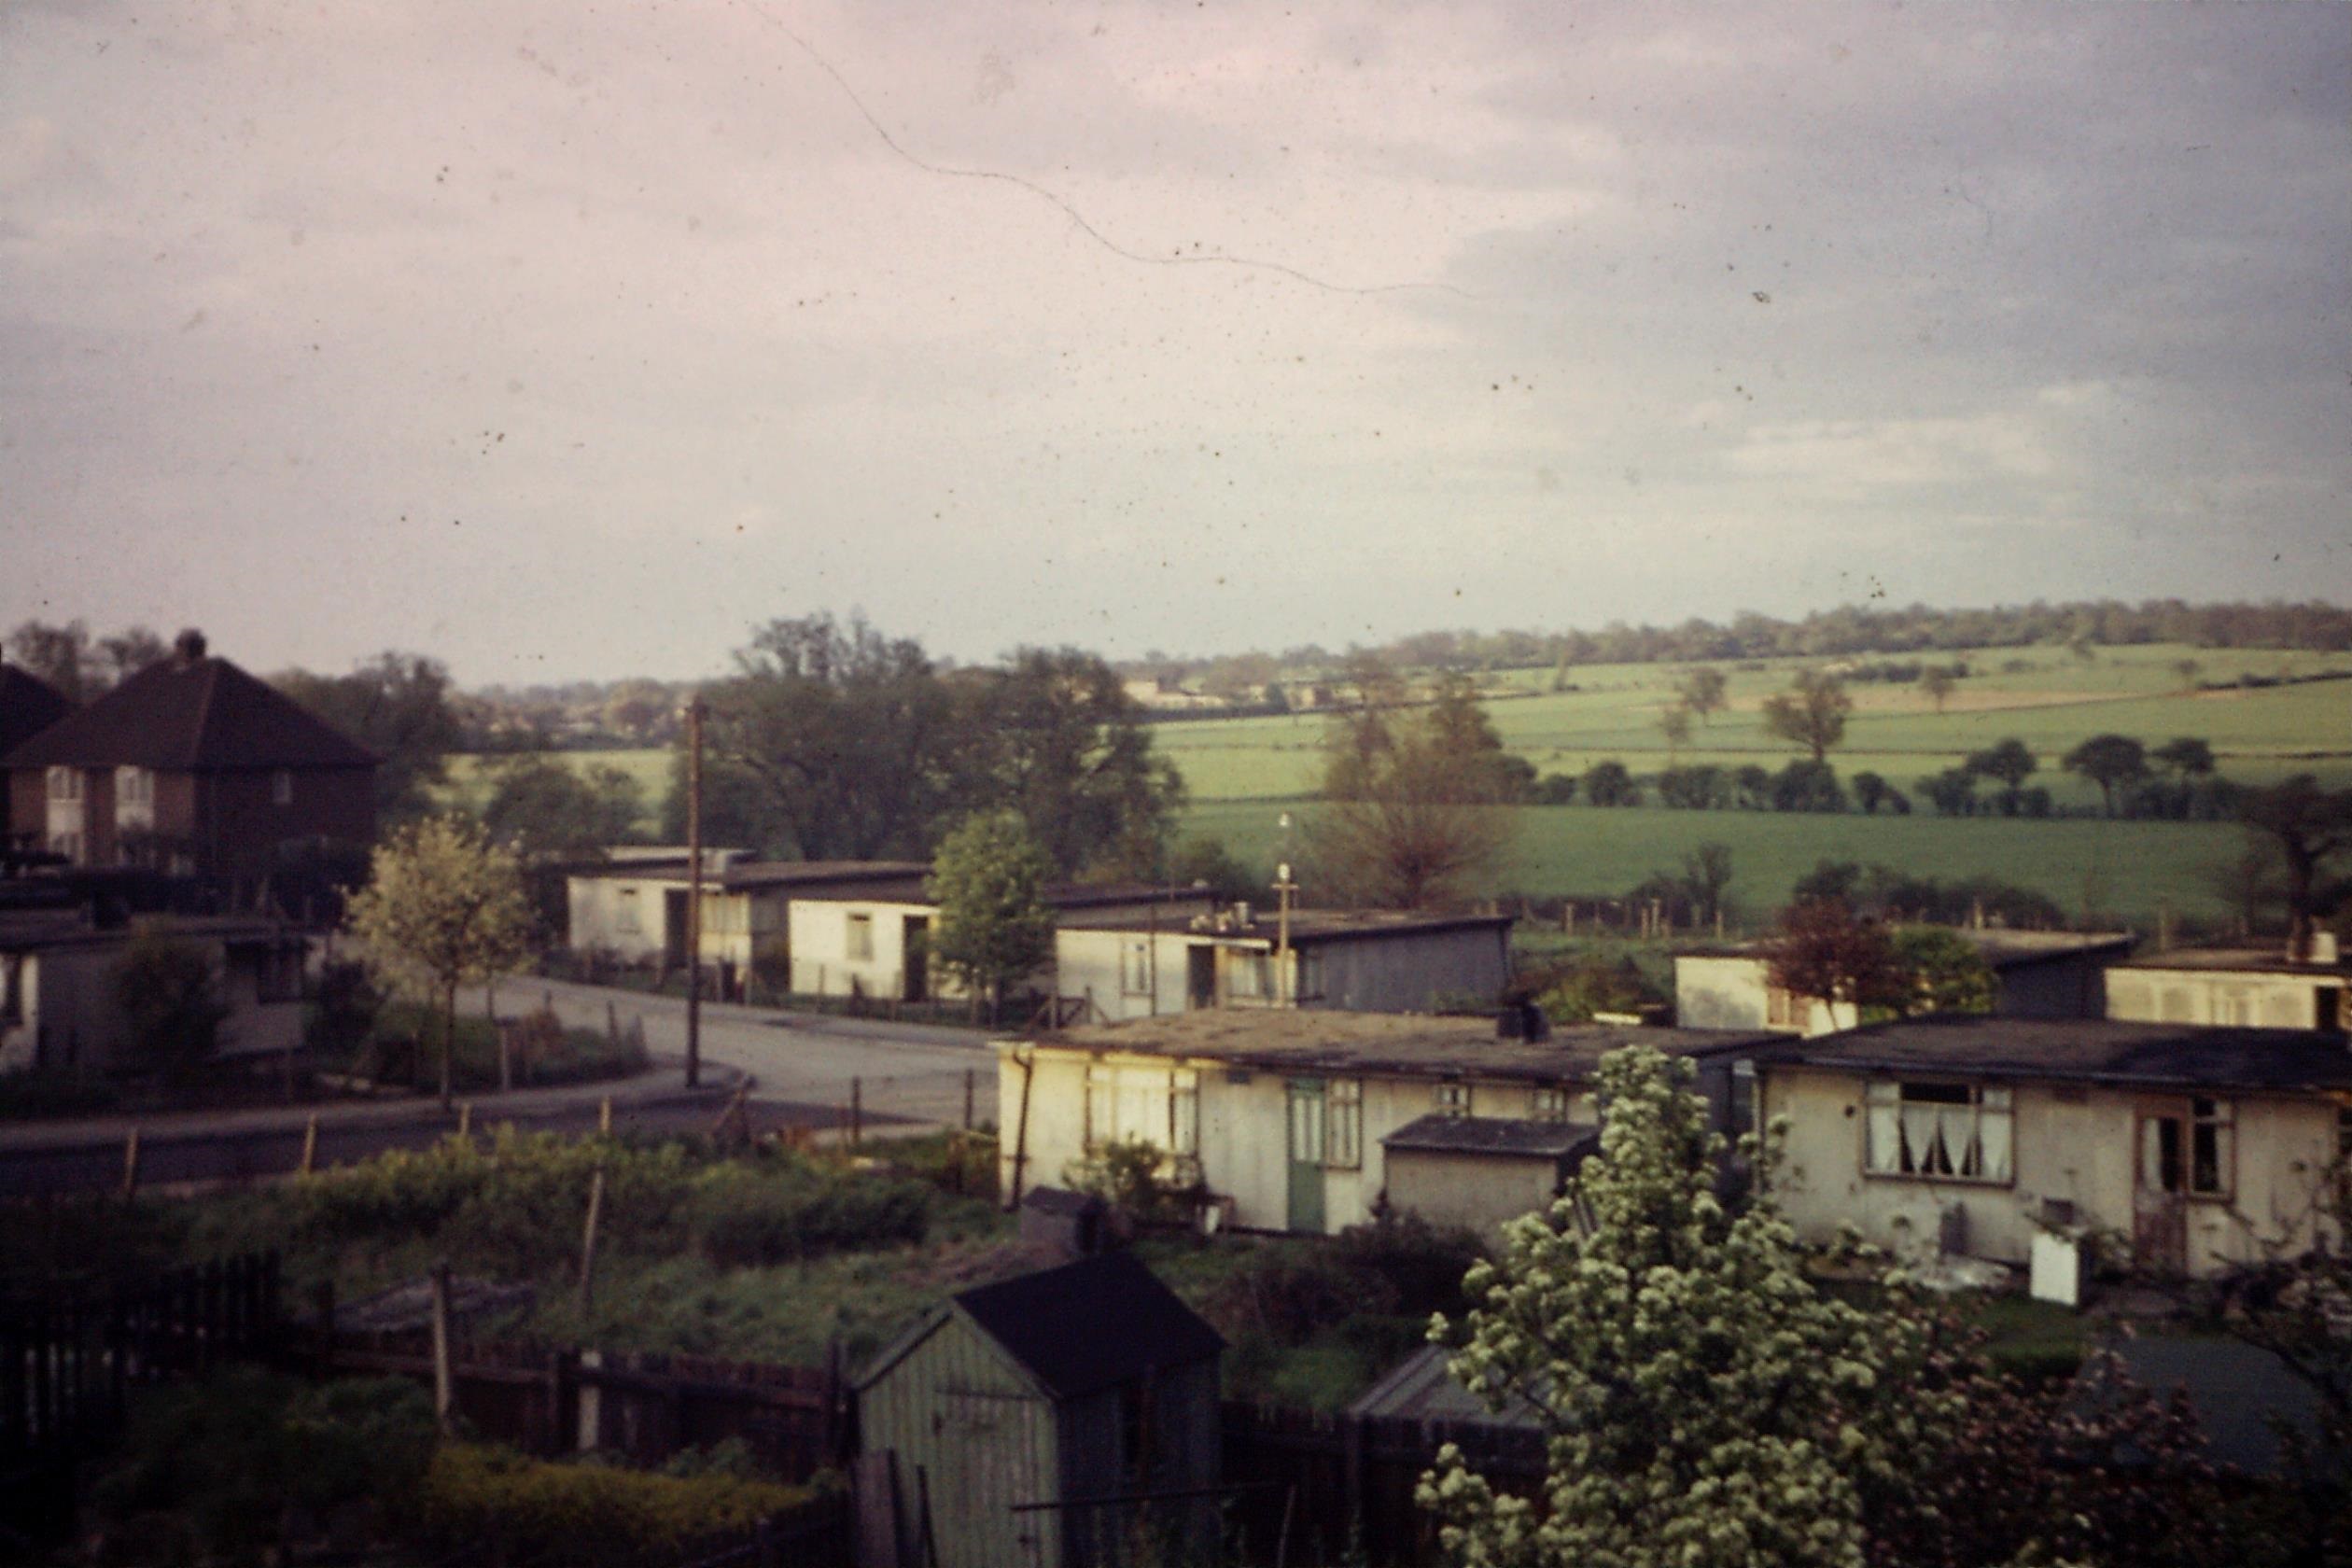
28 705
191 715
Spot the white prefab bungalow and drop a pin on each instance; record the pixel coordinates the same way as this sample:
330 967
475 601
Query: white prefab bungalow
1313 1121
2195 1148
2245 987
631 907
2039 974
57 978
1352 960
873 940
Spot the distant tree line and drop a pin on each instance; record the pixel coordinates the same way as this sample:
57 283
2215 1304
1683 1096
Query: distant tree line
1849 629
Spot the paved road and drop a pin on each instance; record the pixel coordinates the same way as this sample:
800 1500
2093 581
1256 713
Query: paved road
917 1071
808 1069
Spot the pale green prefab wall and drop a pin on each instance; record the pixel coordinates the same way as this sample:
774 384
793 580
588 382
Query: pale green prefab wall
982 1438
2074 1144
1088 963
1244 1127
2203 997
1733 993
628 918
822 964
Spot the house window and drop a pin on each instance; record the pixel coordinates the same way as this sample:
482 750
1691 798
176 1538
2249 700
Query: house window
281 787
133 785
625 921
1143 1104
1453 1099
1135 967
1184 1112
1249 976
1549 1105
1310 973
861 941
2210 1154
1343 1124
1785 1009
67 844
1957 1132
64 784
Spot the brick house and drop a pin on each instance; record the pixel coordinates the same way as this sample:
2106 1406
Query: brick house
192 766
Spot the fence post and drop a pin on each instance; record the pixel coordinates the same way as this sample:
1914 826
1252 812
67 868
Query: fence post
310 1144
464 1119
131 1162
969 1076
588 1244
857 1110
444 1385
604 1117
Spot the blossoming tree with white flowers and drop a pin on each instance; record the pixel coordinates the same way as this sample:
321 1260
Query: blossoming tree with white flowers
1703 1403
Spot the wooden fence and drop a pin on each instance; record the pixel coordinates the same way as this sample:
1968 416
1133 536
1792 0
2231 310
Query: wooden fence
67 1367
552 1402
1347 1483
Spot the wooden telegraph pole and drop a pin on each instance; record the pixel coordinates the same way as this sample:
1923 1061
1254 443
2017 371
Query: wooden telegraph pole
693 890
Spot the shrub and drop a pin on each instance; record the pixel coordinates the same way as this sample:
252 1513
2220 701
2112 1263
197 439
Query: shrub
1127 1175
527 1512
752 1218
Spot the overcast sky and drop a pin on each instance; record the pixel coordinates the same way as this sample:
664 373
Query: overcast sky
569 341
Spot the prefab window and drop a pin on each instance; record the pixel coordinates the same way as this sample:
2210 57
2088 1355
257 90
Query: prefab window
1550 1105
1135 967
1250 976
1453 1099
1343 1125
625 918
2209 1151
860 939
1957 1132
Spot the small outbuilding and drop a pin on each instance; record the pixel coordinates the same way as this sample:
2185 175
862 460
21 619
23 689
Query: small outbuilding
1048 1421
1482 1172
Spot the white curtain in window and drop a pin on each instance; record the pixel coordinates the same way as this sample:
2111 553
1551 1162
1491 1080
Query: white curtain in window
1955 1128
1992 1139
1920 1124
1886 1129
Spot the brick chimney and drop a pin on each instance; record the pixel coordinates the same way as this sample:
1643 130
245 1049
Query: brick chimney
188 648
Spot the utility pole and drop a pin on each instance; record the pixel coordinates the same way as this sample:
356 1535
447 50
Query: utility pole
693 890
1284 989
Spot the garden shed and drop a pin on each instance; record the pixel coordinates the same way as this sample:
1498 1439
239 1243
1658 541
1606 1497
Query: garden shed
1046 1421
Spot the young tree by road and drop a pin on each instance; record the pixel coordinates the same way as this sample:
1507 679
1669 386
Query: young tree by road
990 882
443 906
1811 713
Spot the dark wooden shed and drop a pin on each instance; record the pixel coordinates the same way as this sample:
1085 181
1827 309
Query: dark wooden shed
1087 1389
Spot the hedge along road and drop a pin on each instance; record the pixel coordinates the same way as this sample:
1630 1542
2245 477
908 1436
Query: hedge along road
804 1068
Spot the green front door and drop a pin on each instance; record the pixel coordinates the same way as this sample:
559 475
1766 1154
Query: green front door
1306 1154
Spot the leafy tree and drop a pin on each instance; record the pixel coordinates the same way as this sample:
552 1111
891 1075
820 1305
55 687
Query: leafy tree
1706 872
1553 789
1674 725
1207 863
169 994
1823 949
2309 827
1811 713
1803 786
1054 736
546 808
80 668
833 741
1937 682
1953 791
2112 761
2186 758
397 706
1698 787
988 880
1702 1403
2010 761
1413 817
2249 883
1573 991
1704 692
1869 791
1607 783
443 904
1944 972
2187 670
1755 786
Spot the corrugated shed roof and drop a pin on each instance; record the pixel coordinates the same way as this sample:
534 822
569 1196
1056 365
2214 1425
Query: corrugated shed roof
28 705
191 715
1090 1324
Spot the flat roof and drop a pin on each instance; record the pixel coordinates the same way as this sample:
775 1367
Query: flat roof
1062 897
799 874
2244 961
2084 1050
30 930
1999 946
1396 1044
1308 927
1502 1137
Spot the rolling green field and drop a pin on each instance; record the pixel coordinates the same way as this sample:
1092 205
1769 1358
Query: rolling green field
1241 772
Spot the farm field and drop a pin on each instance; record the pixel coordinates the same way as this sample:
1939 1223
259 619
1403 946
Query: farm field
468 781
2098 871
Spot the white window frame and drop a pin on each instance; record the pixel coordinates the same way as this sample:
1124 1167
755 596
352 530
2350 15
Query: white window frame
1550 1102
1343 1124
1910 1128
1250 974
64 783
1134 966
1450 1099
